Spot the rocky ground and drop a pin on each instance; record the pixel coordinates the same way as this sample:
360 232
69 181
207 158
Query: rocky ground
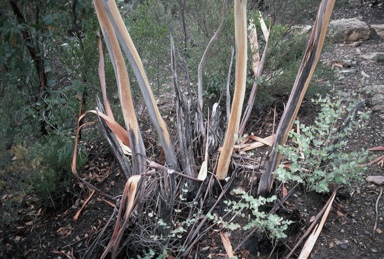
358 58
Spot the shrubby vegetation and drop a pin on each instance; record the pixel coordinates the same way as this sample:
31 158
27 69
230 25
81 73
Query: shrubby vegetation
48 64
318 156
250 209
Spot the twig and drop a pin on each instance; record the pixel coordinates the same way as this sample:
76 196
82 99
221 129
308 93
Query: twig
205 54
273 249
350 117
97 190
185 57
200 126
377 212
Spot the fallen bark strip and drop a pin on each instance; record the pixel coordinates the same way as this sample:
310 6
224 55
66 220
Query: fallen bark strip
377 212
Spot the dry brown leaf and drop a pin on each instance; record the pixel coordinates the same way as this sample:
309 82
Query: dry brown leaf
379 148
267 141
254 44
227 244
286 165
127 199
109 203
264 28
83 206
119 131
204 166
103 84
299 142
284 191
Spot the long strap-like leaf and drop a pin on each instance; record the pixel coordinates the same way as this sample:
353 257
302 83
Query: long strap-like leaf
238 96
300 86
257 67
183 115
136 141
103 83
138 69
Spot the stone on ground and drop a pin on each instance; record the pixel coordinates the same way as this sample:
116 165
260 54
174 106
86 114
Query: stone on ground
348 30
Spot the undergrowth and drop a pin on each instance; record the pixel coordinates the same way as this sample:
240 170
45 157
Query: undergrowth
319 154
43 167
249 208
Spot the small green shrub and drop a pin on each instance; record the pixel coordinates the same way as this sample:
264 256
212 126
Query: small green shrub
319 156
249 208
52 159
43 167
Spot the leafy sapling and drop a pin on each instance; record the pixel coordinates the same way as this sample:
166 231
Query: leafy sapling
250 209
318 156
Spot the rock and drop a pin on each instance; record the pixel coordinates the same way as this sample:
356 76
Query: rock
374 250
375 56
349 63
354 3
341 242
301 29
379 29
348 30
378 99
365 74
378 108
345 72
374 89
376 179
